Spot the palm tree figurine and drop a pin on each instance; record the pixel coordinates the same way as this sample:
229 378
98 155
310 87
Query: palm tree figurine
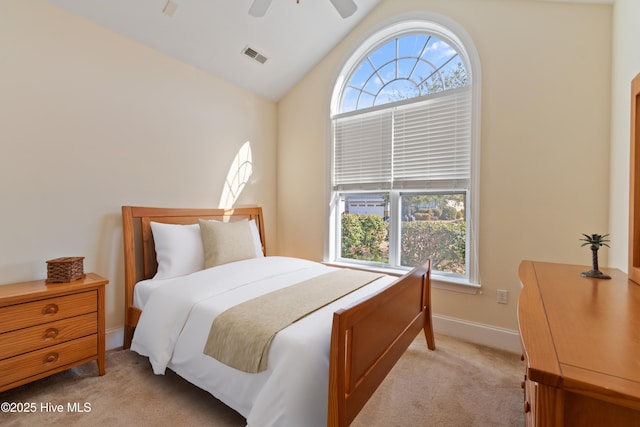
596 241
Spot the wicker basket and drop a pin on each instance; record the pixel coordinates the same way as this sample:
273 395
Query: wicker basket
67 269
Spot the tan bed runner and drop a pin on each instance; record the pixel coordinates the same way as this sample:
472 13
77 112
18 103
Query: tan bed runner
240 337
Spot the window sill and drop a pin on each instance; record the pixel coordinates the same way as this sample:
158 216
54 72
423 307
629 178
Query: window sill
438 281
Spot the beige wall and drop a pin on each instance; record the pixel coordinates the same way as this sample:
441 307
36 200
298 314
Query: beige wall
544 150
90 121
626 65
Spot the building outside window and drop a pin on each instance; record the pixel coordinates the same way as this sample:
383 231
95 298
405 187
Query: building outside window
404 154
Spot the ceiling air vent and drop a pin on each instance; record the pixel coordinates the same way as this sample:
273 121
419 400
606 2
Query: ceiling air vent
254 54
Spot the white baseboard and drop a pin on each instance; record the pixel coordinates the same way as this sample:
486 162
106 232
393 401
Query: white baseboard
478 333
114 338
491 336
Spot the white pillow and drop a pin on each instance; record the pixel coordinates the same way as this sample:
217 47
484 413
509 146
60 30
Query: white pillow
256 238
178 249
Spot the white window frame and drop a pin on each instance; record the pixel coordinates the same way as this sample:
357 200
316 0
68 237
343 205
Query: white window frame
457 37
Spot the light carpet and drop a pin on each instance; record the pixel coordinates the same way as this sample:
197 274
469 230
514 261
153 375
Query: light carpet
459 384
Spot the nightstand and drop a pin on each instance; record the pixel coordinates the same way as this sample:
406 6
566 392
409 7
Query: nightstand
48 328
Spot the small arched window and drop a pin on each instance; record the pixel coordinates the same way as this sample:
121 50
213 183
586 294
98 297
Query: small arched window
403 168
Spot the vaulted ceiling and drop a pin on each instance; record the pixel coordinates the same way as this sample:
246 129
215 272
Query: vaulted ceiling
213 34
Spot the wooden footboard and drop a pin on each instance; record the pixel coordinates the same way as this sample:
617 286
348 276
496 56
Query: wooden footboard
370 336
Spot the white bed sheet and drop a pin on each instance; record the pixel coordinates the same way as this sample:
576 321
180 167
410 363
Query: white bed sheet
175 323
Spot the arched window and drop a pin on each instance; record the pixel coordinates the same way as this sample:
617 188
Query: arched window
404 153
405 67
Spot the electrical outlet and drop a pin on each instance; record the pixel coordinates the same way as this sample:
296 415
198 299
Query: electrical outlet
502 297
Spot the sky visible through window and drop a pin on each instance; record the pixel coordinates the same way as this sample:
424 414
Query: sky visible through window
403 68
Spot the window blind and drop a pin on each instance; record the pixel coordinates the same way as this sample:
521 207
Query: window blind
363 150
424 144
432 142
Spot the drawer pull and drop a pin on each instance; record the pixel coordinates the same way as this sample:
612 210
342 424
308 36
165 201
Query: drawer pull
50 309
50 333
527 407
51 357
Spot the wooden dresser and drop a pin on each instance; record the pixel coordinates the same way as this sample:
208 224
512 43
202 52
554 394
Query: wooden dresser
47 328
581 341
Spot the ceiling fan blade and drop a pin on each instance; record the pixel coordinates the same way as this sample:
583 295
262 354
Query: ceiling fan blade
345 8
259 8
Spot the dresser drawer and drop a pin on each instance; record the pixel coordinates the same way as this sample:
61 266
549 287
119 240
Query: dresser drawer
49 358
27 314
48 334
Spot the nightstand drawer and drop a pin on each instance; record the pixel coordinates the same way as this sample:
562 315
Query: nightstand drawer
24 340
27 314
50 358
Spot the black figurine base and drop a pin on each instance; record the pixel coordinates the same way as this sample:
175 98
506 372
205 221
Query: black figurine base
596 274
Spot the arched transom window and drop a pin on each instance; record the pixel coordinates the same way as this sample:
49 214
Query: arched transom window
404 67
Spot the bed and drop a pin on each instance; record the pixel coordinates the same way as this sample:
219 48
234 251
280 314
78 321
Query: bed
322 369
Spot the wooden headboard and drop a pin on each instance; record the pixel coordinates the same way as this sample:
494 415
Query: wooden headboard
139 249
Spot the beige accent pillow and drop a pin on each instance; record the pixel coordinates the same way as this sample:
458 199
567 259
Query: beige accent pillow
225 242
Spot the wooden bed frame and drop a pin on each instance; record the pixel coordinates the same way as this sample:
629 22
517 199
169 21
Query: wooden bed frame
367 338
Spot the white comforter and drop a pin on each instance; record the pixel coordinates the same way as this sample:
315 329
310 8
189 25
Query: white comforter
175 322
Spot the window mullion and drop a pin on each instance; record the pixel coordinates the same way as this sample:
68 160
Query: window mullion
394 229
